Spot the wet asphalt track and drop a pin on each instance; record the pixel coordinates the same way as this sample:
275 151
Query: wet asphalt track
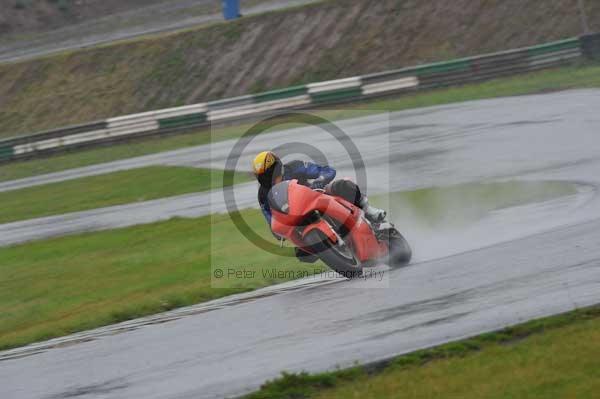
513 265
438 146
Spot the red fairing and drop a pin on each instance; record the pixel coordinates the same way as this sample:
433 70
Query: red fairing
366 245
303 202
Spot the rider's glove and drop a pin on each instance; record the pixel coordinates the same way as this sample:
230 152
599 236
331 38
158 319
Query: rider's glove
318 184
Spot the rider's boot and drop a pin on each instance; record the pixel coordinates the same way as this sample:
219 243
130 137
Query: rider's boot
305 257
375 215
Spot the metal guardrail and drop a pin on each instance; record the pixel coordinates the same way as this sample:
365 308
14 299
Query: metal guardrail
188 117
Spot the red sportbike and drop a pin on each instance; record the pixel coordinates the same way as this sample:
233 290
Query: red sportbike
334 229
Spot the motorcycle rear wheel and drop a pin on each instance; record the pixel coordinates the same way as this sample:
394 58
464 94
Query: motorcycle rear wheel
337 259
400 252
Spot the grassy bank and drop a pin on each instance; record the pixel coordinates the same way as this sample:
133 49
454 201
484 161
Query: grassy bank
116 188
538 82
554 357
55 287
315 42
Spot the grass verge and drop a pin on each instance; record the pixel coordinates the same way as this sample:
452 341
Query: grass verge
59 286
116 188
557 357
435 207
585 76
55 287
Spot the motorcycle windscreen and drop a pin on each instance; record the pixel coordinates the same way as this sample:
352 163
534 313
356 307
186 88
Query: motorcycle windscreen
278 197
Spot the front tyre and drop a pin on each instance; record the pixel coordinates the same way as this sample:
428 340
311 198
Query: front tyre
342 260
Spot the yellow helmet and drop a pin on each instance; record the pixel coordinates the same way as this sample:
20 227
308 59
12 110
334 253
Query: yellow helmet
266 167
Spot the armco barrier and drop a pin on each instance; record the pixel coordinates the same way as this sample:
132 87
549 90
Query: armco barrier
282 94
392 82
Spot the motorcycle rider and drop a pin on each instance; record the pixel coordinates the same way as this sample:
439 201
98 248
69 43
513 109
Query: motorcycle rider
270 170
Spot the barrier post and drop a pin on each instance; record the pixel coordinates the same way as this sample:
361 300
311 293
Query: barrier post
590 46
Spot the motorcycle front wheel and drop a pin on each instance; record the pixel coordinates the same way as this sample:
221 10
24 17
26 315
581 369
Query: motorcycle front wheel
341 259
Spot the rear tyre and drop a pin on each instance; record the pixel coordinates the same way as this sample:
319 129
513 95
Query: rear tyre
339 259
